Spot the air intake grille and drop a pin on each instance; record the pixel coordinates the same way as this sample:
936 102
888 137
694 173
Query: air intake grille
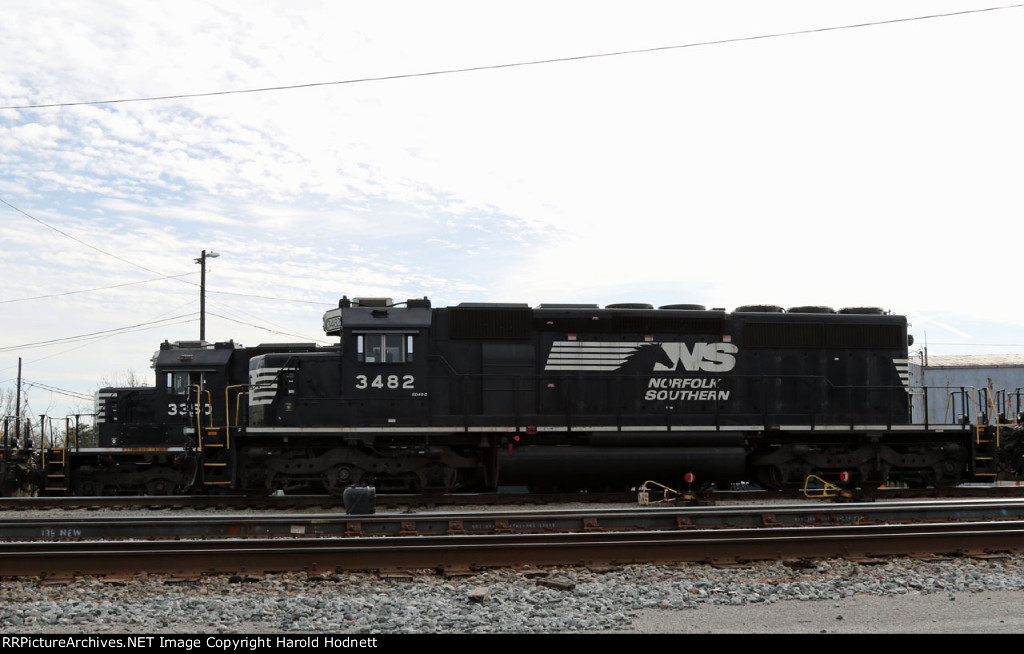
635 325
817 335
491 323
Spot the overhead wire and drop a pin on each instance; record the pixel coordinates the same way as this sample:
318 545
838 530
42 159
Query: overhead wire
162 277
53 389
516 64
267 297
99 334
93 290
272 331
80 241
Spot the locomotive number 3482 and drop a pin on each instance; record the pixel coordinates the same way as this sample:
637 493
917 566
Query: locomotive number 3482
385 381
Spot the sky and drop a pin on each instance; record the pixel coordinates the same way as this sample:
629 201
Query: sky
725 153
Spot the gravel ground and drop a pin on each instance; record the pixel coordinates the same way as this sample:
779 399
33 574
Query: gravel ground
898 596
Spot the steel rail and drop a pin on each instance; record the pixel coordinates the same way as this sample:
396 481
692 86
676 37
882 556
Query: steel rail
461 499
292 525
305 501
454 554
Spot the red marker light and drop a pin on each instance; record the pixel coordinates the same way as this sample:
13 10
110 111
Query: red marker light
689 477
844 476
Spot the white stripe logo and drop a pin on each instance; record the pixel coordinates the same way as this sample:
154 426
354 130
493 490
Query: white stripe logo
641 357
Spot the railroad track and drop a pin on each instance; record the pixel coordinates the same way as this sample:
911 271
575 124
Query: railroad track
457 543
333 502
297 502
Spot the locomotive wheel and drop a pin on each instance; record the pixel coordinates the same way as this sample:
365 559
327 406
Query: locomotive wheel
332 487
435 479
771 477
337 479
942 475
160 486
88 488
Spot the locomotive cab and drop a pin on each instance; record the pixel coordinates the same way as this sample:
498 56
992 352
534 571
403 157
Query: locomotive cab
356 415
191 378
145 436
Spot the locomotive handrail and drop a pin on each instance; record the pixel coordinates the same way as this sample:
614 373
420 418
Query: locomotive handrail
768 387
238 402
15 441
199 411
227 411
67 430
1009 412
198 417
979 424
238 408
994 415
52 446
950 411
924 399
1001 402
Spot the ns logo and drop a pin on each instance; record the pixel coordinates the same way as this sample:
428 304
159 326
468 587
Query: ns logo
708 357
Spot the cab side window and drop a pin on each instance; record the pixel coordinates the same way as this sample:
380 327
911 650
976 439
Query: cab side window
182 383
384 348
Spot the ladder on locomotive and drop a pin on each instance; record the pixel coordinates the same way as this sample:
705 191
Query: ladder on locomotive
216 455
55 473
986 450
986 440
984 443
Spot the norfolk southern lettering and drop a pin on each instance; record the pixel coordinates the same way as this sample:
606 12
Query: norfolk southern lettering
701 357
655 358
685 388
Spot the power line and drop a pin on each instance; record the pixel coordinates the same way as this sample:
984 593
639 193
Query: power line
162 277
77 240
271 331
54 389
272 327
85 342
267 297
518 64
92 290
71 339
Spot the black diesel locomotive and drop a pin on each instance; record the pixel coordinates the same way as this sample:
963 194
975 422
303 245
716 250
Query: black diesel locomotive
417 398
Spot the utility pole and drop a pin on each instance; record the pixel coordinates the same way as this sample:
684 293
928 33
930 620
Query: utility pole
202 291
17 405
